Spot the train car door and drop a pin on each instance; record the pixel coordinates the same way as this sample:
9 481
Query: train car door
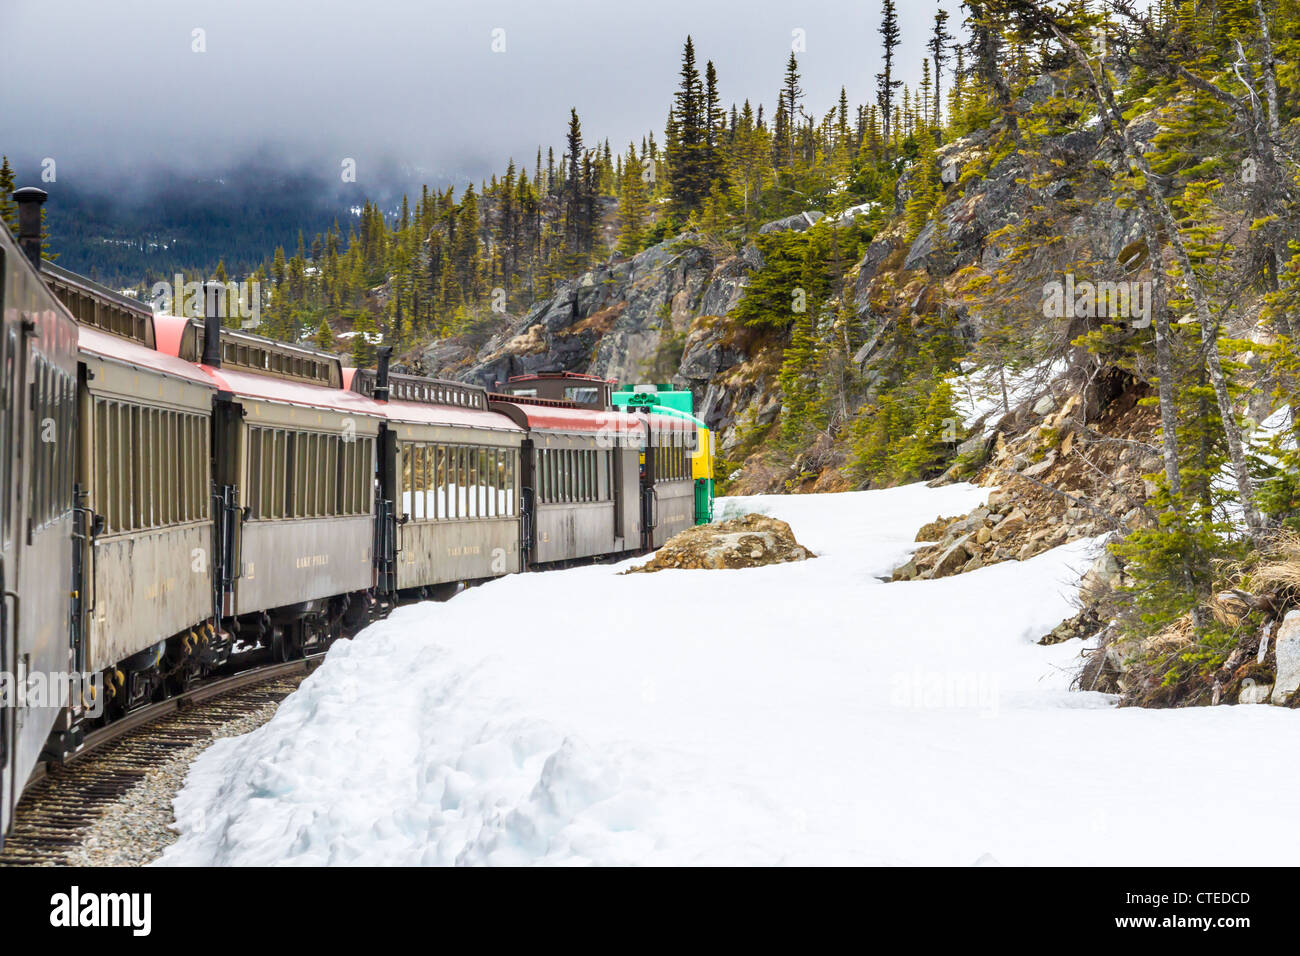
649 499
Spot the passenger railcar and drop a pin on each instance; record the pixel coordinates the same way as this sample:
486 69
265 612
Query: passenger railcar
668 488
580 474
145 475
449 477
294 459
38 359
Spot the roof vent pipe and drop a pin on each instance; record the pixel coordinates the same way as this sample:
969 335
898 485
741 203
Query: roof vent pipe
29 200
381 374
214 294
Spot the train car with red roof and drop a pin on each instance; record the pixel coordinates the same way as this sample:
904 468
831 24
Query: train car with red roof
294 456
449 480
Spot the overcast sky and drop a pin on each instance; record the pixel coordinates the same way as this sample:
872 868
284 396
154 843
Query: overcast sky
116 86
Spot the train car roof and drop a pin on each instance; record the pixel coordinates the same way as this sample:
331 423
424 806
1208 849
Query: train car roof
420 413
114 348
552 416
243 384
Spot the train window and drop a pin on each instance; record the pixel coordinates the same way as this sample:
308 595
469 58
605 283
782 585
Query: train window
481 485
420 482
362 478
34 468
455 499
553 473
120 461
447 480
475 481
431 486
439 481
331 472
166 469
322 444
256 483
511 458
101 472
368 489
185 464
197 467
278 485
298 476
131 444
346 456
498 482
155 467
305 483
315 464
176 450
463 492
404 487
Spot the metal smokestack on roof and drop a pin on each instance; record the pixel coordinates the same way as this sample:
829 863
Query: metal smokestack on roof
381 373
214 294
29 200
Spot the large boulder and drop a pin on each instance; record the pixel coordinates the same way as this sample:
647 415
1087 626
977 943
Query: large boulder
749 541
1287 647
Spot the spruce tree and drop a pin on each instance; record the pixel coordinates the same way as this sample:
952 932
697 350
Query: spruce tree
939 42
631 206
886 85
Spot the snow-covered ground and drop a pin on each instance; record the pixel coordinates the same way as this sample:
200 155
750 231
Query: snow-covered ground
800 713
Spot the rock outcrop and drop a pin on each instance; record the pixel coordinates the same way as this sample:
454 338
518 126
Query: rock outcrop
658 316
749 541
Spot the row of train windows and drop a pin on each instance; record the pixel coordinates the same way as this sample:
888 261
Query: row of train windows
672 464
151 466
456 481
294 474
573 474
54 394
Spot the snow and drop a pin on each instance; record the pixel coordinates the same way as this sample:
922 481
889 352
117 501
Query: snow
805 713
978 394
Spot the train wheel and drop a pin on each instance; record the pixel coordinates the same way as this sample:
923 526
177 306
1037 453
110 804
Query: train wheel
287 642
281 646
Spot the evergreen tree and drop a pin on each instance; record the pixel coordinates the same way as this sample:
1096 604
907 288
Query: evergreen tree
886 84
939 46
8 208
631 206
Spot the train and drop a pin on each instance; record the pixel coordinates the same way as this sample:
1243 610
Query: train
182 496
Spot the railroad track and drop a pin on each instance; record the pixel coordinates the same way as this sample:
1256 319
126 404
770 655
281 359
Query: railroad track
64 802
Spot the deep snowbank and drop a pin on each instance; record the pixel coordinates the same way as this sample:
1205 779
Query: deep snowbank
797 713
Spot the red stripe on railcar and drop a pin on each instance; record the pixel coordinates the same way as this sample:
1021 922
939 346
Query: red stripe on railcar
243 384
421 414
116 349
